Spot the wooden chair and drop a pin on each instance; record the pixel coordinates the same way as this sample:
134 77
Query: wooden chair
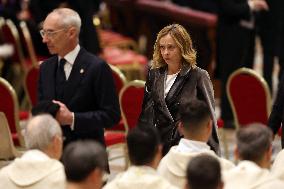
131 97
31 84
7 148
110 38
11 35
119 78
120 81
28 43
9 106
249 97
130 62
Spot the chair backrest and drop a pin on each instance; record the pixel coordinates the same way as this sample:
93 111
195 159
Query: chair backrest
249 97
31 84
9 105
28 42
7 148
11 35
131 98
118 77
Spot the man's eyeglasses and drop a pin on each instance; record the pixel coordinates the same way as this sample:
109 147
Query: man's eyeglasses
48 33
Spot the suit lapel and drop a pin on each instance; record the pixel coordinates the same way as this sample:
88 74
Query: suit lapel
77 73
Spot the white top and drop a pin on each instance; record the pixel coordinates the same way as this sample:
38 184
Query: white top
169 82
190 146
139 177
70 59
33 170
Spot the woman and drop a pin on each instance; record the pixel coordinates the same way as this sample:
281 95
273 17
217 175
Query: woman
173 81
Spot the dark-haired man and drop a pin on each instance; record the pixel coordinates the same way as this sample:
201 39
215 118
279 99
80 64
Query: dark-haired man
84 162
145 152
196 126
204 172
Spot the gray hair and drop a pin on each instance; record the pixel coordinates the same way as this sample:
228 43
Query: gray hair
41 131
253 141
69 17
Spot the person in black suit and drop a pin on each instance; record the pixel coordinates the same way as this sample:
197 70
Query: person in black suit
235 43
78 81
270 27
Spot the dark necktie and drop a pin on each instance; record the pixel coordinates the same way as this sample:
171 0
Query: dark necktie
60 79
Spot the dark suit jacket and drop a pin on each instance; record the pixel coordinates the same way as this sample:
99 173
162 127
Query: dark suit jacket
190 84
89 93
276 118
235 44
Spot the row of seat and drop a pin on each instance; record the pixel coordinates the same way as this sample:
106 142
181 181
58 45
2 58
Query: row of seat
248 94
130 97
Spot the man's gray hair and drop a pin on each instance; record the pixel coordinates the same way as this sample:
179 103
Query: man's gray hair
41 131
69 17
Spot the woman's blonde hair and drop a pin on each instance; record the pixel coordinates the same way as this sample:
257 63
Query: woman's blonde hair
183 41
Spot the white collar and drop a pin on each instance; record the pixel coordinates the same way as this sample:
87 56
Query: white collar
186 145
71 56
34 155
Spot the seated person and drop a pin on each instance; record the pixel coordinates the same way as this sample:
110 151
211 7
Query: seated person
278 164
204 172
94 158
196 126
254 152
145 152
39 166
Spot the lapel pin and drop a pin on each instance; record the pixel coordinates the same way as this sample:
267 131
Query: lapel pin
81 71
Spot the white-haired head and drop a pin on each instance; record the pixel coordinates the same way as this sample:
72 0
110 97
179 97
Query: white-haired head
41 132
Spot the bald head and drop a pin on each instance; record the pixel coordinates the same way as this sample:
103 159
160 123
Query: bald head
67 18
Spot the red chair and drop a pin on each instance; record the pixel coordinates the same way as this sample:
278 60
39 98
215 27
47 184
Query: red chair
7 149
11 36
31 84
109 38
249 97
9 106
120 81
131 99
132 63
28 43
116 134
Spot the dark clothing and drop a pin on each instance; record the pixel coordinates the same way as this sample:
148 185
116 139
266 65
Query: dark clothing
235 44
163 113
276 117
88 36
89 92
270 27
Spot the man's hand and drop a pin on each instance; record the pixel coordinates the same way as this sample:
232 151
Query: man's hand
257 5
63 116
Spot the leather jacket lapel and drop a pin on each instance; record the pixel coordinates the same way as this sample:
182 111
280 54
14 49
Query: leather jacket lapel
161 88
178 85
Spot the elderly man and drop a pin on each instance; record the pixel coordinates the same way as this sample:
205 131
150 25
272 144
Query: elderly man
39 166
254 152
77 80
